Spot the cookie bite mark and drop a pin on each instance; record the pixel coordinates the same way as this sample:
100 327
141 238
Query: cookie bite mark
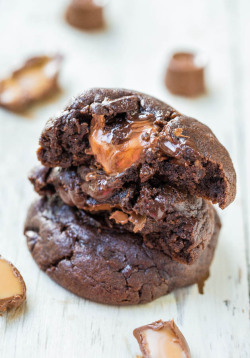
35 80
162 340
12 286
119 145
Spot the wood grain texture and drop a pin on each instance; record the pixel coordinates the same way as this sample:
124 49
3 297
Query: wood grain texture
131 53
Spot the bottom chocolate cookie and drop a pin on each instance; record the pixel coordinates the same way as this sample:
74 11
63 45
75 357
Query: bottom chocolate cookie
85 256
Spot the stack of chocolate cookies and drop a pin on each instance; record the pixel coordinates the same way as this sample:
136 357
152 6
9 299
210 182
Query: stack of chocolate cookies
126 185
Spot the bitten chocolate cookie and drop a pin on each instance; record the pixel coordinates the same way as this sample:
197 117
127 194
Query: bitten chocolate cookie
175 222
127 137
105 265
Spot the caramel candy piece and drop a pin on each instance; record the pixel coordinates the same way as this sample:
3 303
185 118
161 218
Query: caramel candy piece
98 207
85 14
116 149
185 74
139 221
35 80
162 340
120 217
12 286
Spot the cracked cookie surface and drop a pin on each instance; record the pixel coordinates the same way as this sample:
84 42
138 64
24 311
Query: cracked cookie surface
82 254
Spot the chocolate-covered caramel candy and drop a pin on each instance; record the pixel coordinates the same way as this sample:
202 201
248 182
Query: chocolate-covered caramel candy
185 74
12 286
162 340
35 80
85 14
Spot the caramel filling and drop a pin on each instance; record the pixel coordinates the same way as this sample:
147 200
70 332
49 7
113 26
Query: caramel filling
117 148
119 217
139 221
99 207
10 284
162 343
122 218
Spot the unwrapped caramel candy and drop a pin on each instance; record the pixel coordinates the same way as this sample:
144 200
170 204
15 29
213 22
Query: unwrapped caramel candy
35 80
162 340
12 286
186 74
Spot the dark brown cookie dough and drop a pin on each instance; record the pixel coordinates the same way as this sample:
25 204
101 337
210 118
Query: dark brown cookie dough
177 223
124 135
108 266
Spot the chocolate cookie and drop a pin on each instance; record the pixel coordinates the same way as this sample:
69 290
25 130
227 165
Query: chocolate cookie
128 137
105 265
175 222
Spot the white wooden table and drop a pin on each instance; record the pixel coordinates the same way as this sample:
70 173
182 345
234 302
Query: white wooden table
132 53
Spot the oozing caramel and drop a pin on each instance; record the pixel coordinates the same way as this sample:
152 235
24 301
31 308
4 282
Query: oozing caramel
115 157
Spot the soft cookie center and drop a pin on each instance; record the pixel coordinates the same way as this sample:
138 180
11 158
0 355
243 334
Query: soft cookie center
118 146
